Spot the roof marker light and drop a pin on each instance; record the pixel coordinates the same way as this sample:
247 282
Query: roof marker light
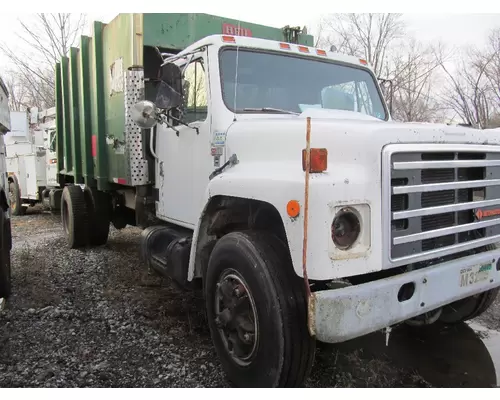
228 39
285 46
303 49
321 52
364 62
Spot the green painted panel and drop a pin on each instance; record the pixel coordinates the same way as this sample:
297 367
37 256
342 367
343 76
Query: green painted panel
179 30
59 120
85 110
117 58
98 108
76 153
68 162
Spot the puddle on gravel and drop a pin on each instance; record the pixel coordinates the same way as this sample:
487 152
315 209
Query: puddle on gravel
459 356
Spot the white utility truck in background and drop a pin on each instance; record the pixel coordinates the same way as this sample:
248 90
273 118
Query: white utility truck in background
5 225
31 158
270 174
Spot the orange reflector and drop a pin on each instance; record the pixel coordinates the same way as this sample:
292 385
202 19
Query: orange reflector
285 46
228 39
53 161
364 62
318 161
293 208
321 52
303 49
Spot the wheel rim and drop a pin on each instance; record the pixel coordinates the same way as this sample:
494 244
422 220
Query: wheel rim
236 317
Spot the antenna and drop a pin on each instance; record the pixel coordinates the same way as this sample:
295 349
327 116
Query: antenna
236 72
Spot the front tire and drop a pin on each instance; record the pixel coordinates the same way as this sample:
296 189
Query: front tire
257 312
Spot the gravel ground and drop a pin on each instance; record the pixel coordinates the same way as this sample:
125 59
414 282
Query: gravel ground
95 318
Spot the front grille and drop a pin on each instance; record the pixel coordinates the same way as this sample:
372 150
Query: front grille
436 200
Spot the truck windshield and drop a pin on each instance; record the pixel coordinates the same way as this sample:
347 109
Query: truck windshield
272 81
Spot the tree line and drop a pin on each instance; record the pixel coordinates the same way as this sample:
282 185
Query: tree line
429 83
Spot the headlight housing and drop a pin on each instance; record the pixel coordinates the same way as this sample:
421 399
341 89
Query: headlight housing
346 227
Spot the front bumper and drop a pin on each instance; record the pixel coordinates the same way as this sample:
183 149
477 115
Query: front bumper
342 314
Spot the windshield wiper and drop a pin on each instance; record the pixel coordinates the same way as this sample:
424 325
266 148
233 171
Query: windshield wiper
271 110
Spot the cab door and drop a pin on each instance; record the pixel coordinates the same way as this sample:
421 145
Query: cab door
184 162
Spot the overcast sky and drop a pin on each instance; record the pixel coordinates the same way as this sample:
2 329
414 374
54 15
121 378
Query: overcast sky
452 29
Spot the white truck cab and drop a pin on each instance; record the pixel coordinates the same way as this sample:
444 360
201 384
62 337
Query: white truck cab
401 218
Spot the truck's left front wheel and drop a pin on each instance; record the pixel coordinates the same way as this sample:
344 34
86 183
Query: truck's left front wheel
257 312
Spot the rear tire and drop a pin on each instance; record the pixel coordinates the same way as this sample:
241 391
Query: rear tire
98 206
5 267
74 216
280 351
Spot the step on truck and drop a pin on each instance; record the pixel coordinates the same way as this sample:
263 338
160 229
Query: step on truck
270 174
31 160
5 225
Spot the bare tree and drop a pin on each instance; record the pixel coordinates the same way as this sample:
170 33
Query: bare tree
381 39
492 70
470 93
18 95
43 40
367 36
413 71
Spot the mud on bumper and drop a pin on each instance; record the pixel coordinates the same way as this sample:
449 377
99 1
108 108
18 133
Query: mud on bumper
342 314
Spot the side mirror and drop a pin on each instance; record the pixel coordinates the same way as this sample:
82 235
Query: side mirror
144 114
170 91
387 87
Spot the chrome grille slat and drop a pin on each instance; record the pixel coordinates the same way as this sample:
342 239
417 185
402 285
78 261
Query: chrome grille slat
445 164
440 201
437 187
445 231
446 251
444 209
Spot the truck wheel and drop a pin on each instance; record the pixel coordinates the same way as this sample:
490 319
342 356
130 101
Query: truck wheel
98 206
74 216
5 272
257 312
470 307
16 207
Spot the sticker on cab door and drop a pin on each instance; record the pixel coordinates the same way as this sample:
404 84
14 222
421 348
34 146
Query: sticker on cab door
219 139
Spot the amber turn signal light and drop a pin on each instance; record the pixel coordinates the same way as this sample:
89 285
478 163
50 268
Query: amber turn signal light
293 208
318 161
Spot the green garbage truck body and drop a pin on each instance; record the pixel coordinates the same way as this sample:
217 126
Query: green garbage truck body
99 81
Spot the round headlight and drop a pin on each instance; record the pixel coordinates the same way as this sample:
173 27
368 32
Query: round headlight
345 229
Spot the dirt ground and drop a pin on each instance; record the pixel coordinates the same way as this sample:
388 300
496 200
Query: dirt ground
95 318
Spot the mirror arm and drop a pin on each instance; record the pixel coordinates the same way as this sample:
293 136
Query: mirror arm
183 123
164 119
